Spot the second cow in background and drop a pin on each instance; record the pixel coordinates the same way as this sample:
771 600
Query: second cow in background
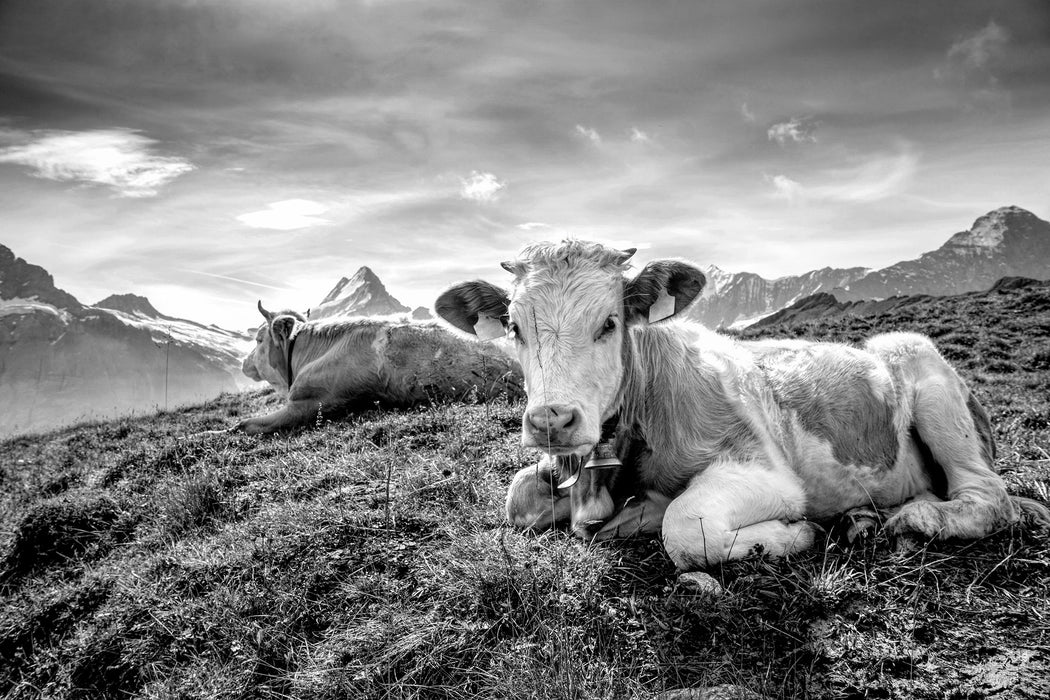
335 365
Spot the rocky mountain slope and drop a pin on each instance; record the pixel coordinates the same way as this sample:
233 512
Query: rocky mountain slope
824 306
361 295
1009 241
733 299
61 361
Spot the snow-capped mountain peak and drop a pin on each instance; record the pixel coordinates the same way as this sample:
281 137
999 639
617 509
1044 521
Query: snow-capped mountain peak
363 294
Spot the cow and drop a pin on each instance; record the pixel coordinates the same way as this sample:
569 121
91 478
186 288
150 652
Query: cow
728 447
334 365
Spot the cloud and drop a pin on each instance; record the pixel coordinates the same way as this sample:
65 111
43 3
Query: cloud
747 114
970 66
121 159
876 178
287 215
481 187
234 279
980 49
639 136
533 226
795 130
784 187
588 133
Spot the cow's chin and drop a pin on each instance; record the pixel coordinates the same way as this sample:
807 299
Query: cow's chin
580 449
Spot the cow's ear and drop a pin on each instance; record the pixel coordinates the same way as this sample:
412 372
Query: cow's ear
282 326
477 307
662 289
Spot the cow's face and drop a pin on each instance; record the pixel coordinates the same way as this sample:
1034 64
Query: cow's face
268 359
568 314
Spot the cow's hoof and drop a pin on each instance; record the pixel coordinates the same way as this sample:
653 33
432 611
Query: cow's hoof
700 583
917 517
863 524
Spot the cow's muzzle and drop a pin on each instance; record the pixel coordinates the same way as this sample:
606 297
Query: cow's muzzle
555 429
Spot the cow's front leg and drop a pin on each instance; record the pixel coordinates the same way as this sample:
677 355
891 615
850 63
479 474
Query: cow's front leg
733 509
639 516
292 415
534 501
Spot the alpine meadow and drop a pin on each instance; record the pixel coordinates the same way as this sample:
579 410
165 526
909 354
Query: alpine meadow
369 558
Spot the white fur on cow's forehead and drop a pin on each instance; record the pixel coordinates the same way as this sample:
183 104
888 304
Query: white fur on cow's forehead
558 258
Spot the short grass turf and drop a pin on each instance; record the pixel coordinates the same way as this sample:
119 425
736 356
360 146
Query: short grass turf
369 559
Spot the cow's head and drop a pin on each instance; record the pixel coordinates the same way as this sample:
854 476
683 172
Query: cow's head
268 360
568 312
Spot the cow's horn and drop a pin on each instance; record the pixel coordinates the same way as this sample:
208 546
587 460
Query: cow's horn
266 314
514 267
626 254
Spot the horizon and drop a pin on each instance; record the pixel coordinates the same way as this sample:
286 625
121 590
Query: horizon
206 155
428 306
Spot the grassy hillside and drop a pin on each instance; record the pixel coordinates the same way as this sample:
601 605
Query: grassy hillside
368 559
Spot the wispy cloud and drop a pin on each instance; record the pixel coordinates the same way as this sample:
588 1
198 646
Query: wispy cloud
639 136
235 279
121 159
588 133
481 187
970 66
747 114
533 226
287 215
784 187
876 178
794 130
978 50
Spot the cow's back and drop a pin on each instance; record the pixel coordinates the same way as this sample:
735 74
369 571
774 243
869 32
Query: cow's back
422 362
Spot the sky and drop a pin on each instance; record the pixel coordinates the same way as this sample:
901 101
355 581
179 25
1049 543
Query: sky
210 153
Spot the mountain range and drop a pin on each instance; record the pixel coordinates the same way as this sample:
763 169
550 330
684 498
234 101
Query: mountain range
1008 241
61 360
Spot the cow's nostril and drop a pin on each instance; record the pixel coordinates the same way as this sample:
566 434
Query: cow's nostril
569 418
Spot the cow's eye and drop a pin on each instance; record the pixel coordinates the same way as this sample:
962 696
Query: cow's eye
607 328
514 333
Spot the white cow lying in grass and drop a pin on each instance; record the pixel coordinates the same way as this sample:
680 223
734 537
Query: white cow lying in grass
735 445
335 365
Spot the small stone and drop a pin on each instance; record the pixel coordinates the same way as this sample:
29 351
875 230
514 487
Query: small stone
699 582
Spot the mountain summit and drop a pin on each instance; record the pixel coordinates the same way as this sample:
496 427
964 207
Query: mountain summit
23 281
1007 242
360 295
129 304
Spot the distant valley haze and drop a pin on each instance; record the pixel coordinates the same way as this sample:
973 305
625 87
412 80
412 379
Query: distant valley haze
208 154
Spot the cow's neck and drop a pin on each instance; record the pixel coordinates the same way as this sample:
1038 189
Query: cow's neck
675 404
289 370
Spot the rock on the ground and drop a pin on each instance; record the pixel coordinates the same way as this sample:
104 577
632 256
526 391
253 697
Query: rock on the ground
699 582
